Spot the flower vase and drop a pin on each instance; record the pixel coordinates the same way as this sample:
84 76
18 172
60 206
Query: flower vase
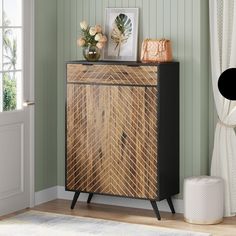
91 53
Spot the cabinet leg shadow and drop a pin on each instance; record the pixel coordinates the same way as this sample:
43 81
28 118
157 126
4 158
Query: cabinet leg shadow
90 198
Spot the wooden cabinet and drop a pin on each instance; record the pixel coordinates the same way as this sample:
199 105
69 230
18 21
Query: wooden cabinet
122 130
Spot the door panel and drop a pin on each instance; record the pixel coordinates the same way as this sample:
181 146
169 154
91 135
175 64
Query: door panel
14 159
112 140
16 121
88 165
12 170
133 135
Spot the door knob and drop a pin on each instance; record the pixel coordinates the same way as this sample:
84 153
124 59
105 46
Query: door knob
28 103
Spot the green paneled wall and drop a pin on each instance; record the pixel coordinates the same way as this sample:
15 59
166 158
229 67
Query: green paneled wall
185 22
45 94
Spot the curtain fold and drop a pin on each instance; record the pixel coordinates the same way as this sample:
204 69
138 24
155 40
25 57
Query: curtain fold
223 56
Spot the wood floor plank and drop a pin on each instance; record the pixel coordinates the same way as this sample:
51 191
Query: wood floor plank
137 216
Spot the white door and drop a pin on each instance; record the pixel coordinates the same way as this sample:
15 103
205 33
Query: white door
16 121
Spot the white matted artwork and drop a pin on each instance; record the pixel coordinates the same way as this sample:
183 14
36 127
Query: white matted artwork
122 32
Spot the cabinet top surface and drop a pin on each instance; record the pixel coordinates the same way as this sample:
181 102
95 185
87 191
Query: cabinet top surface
129 63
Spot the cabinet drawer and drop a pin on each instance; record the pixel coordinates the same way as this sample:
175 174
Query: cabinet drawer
112 74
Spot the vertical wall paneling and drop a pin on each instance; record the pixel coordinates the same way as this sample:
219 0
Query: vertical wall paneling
95 4
139 5
92 11
160 18
45 94
184 22
105 4
152 18
118 3
60 85
125 3
68 36
40 119
206 106
112 3
79 18
40 112
73 26
86 10
188 89
100 13
174 26
132 3
181 57
196 84
145 19
167 18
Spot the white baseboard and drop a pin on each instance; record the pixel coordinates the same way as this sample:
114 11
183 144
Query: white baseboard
59 192
46 195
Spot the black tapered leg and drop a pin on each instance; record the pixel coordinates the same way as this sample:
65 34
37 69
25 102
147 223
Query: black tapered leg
155 208
90 198
171 205
76 196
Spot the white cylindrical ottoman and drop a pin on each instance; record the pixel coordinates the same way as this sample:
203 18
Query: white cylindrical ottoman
203 200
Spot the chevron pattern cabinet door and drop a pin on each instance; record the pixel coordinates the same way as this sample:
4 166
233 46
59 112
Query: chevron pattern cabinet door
112 140
133 133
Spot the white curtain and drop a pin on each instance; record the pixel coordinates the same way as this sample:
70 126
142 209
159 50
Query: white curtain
223 56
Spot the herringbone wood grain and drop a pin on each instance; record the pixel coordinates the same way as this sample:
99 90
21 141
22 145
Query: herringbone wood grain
112 139
112 74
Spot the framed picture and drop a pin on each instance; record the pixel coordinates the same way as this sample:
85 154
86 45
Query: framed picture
121 30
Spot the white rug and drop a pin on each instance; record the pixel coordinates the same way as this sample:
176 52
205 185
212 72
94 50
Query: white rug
34 223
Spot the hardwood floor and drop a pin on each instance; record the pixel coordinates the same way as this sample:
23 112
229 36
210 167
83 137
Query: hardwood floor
131 215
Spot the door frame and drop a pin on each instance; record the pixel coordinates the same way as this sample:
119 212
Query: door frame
29 57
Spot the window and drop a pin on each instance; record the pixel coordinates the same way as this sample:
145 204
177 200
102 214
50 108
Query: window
11 55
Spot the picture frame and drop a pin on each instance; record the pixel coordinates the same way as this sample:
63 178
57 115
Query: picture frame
121 29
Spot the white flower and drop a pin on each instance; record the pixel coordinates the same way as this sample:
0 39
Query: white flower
84 25
98 28
100 45
98 37
92 31
103 39
81 42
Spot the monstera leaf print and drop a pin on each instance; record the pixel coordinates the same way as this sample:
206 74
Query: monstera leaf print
122 30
